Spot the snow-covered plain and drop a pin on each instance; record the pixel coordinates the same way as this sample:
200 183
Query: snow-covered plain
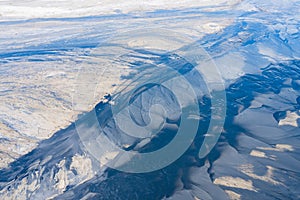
77 8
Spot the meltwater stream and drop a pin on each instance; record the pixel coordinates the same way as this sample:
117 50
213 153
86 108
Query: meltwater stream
256 49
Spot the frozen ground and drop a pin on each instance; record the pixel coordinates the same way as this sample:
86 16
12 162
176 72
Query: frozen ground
44 45
41 59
